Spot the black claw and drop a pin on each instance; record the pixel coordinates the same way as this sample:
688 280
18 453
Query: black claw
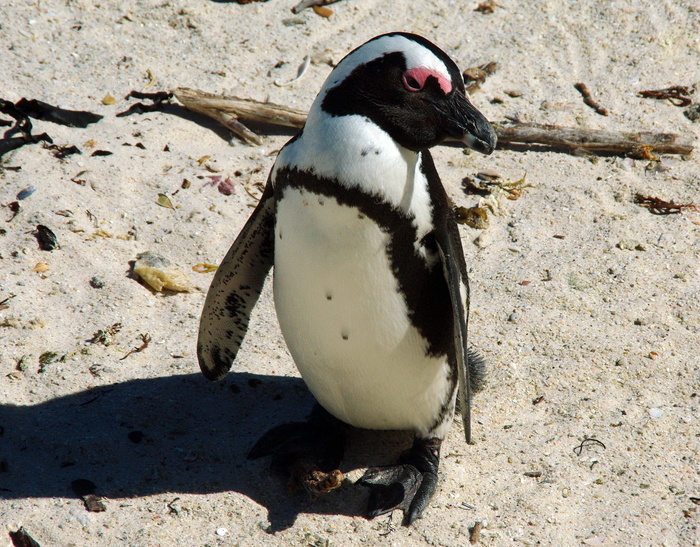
407 486
390 488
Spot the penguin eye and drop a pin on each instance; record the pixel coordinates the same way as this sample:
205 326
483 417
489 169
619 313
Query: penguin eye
411 83
414 79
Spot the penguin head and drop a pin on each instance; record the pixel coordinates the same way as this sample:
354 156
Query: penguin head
409 88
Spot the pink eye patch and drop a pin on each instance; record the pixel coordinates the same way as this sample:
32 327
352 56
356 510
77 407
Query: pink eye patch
414 79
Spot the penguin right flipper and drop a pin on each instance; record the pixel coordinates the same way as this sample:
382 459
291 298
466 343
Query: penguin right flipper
455 274
235 290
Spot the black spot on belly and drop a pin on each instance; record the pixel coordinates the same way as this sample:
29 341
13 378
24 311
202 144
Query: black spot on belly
423 287
329 296
345 335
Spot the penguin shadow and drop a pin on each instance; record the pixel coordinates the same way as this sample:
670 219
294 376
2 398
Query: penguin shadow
176 434
222 132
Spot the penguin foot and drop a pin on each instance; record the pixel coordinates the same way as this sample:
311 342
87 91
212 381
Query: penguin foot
407 486
308 452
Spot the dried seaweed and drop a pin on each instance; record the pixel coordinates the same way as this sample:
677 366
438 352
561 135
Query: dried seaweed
658 206
475 76
62 152
46 238
43 111
21 538
21 125
588 99
678 95
145 340
159 273
159 100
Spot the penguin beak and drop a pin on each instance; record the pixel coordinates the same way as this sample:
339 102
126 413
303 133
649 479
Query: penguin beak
466 124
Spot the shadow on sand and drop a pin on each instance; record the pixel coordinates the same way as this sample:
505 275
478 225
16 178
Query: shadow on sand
176 434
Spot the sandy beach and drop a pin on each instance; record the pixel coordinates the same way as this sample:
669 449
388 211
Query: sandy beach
585 303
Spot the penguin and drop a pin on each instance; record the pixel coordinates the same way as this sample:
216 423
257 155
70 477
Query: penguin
370 281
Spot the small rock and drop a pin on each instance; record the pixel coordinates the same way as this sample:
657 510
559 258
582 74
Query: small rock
483 240
693 112
630 245
221 532
655 412
96 283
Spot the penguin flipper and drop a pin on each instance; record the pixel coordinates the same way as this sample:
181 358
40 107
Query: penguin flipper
235 290
455 270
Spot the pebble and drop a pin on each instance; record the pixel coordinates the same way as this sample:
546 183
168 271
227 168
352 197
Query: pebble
693 112
24 194
630 245
655 412
221 532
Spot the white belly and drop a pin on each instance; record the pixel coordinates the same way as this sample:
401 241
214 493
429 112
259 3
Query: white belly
345 322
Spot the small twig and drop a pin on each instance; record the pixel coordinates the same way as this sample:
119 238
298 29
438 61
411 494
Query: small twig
390 528
146 339
678 95
588 99
584 442
5 300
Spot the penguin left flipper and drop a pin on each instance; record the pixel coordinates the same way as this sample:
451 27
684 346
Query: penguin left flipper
408 486
235 290
469 364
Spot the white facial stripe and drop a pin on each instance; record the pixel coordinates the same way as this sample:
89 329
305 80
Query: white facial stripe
416 55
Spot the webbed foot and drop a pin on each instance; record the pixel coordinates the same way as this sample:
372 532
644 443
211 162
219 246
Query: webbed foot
308 452
407 486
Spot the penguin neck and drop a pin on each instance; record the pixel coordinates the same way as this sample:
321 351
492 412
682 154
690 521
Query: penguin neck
356 153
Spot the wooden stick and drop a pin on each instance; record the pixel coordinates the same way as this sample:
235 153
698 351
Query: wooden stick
226 110
592 140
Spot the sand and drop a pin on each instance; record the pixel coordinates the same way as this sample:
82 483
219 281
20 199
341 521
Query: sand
586 305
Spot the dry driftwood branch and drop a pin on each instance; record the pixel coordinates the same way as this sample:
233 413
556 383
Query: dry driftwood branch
226 110
592 140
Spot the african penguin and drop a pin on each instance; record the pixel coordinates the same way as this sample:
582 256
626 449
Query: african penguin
370 282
